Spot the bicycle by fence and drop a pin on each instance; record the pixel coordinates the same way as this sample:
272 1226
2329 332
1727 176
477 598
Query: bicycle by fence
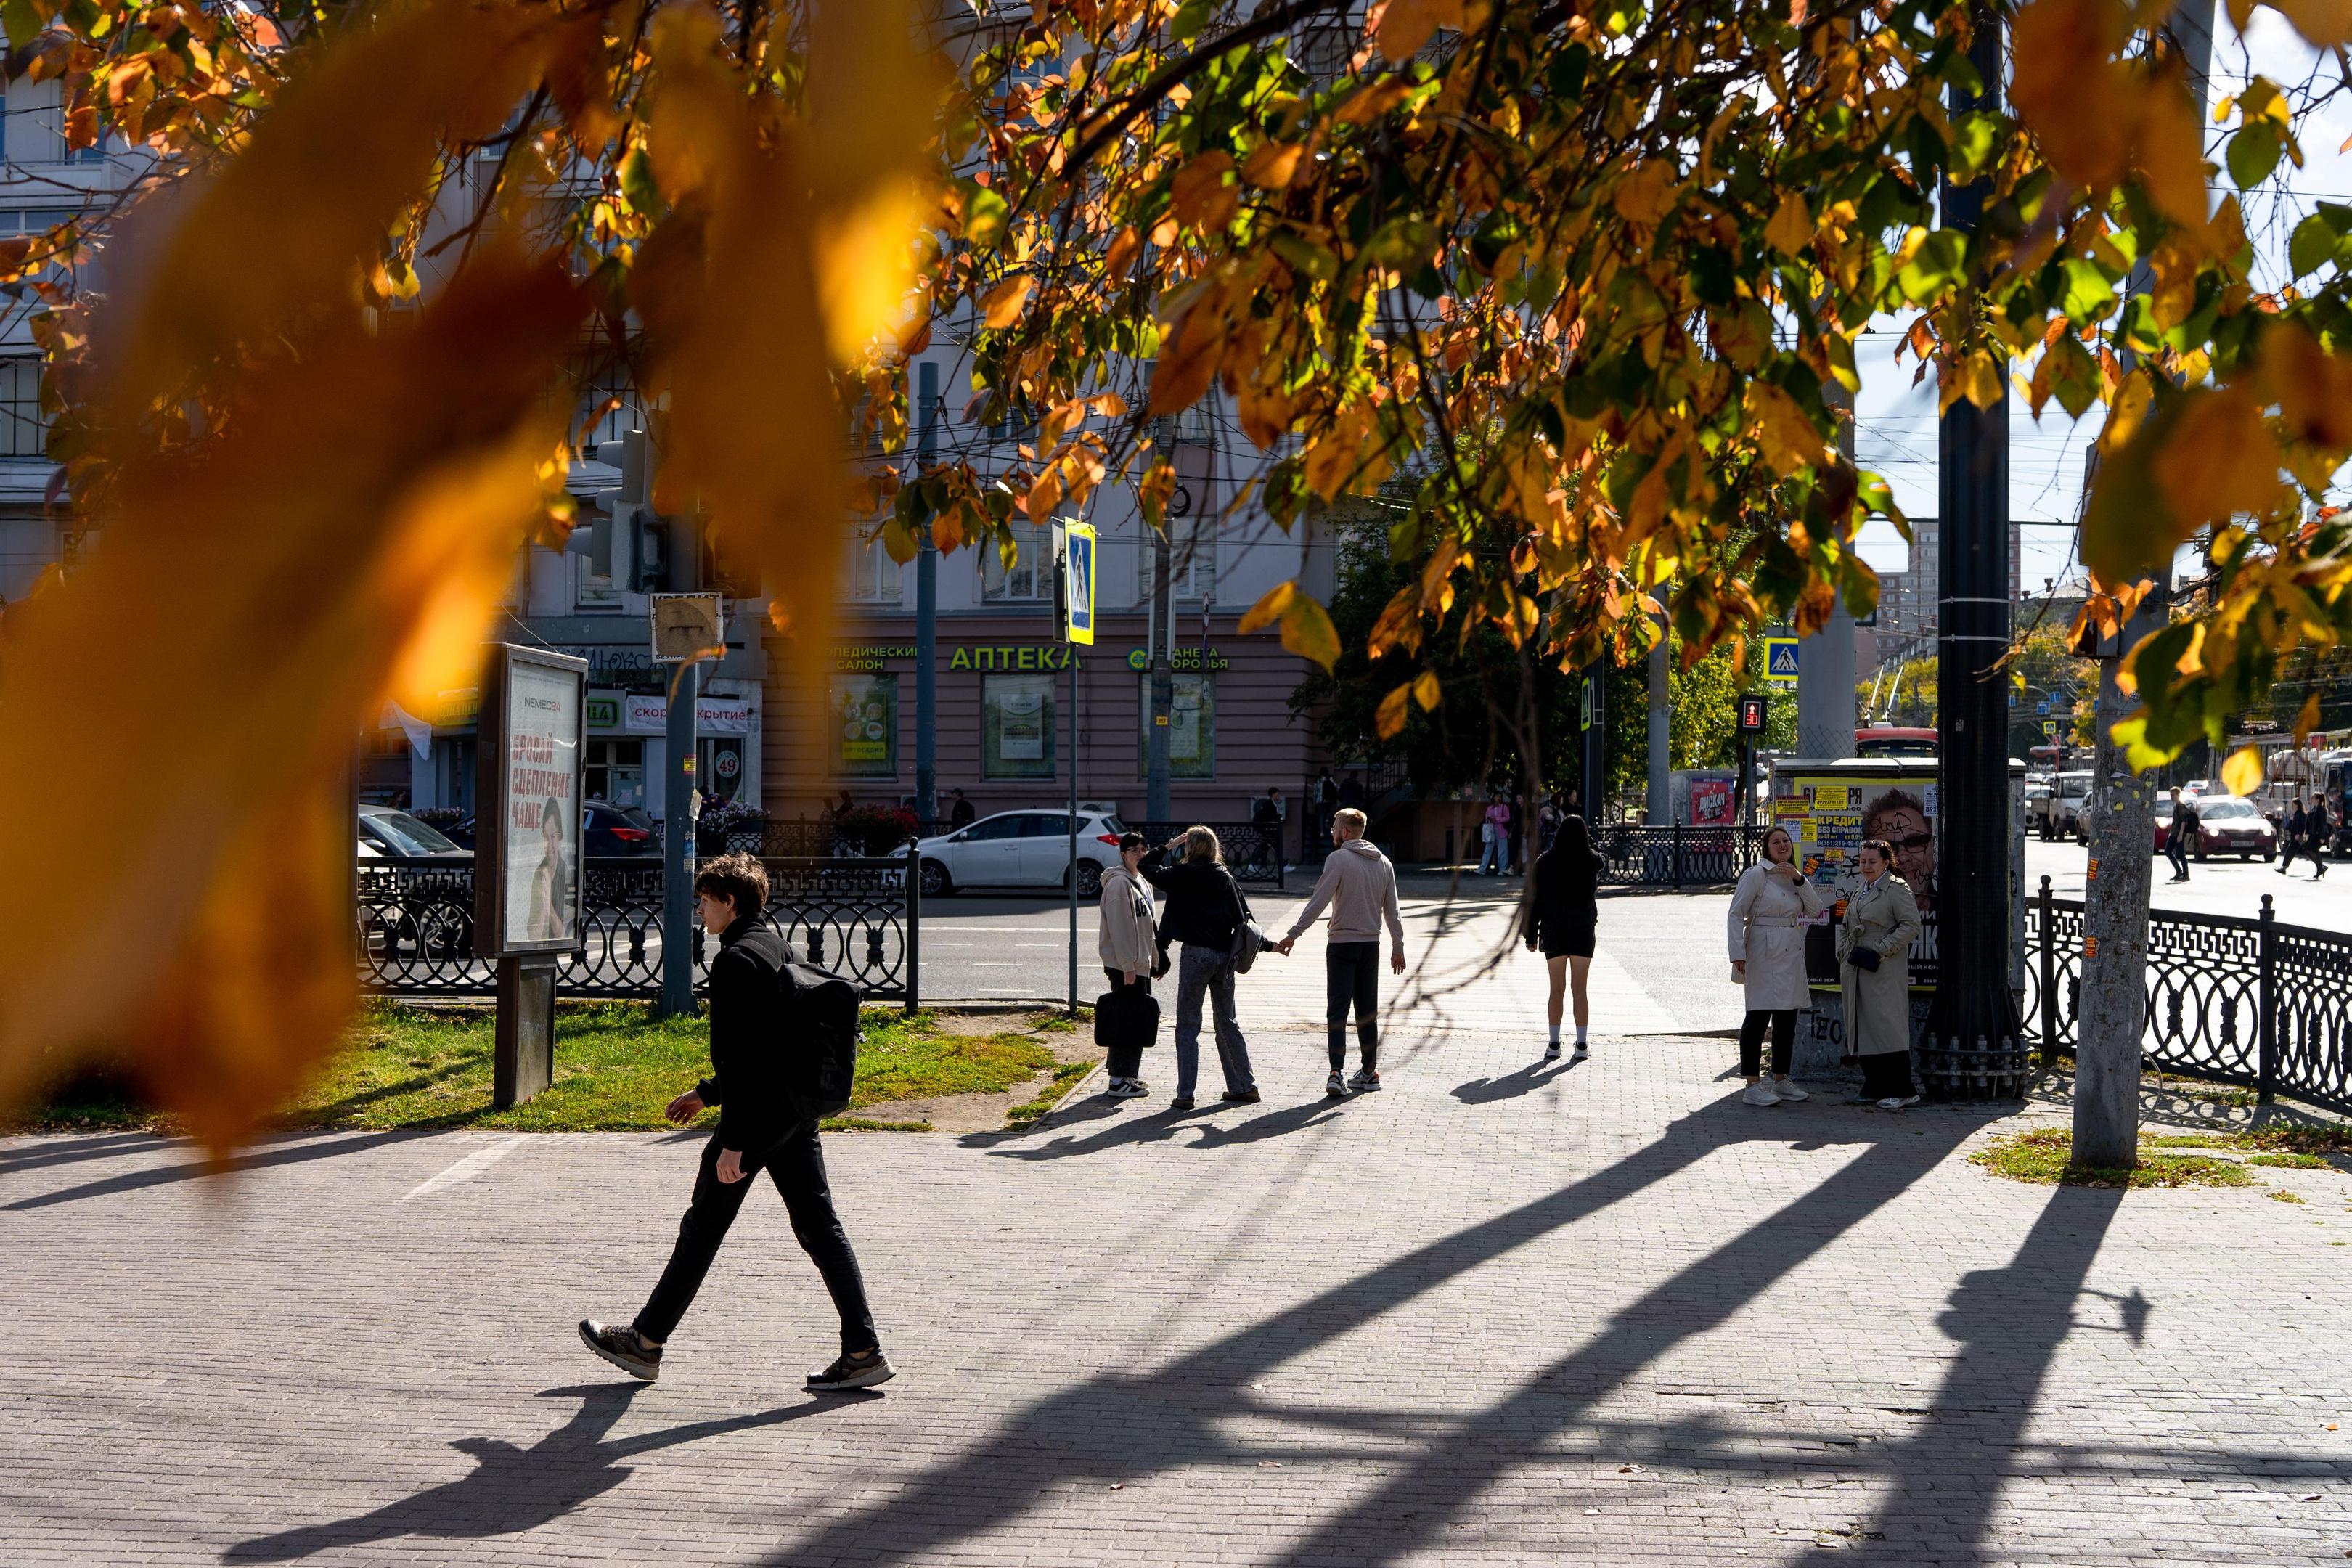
860 917
2231 999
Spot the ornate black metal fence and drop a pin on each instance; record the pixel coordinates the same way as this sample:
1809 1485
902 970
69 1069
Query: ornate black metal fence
1676 856
2229 999
1252 854
860 917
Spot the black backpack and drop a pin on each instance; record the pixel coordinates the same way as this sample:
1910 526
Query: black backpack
820 1021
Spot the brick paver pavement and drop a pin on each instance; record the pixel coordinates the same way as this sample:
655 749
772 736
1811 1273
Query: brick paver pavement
1501 1312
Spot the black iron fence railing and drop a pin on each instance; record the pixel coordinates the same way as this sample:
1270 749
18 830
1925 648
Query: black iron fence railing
1636 854
806 838
2229 999
860 917
1252 854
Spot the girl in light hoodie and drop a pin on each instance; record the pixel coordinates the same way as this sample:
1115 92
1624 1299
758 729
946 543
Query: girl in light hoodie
1130 953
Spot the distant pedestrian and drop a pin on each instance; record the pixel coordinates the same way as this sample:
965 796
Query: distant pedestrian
1548 817
1491 823
1131 953
843 804
1350 792
757 1128
2317 829
1562 918
1205 907
1515 830
2294 836
1327 805
961 813
1266 814
1770 908
2177 835
1874 949
1360 886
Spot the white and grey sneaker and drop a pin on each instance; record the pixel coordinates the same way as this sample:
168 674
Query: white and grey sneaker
1126 1088
1580 1052
852 1372
1760 1093
1899 1102
1788 1090
1365 1080
1551 1052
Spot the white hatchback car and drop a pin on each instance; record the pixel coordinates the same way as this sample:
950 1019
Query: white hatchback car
1021 849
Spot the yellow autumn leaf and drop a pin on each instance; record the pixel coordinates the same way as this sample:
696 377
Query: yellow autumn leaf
1002 305
2242 774
2217 460
1388 721
873 97
1307 631
1791 228
1407 25
1426 691
1271 606
2325 24
1274 164
1646 194
1188 361
348 539
1786 437
1202 195
2307 719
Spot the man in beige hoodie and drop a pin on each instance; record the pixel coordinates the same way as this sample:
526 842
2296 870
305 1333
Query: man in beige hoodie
1360 886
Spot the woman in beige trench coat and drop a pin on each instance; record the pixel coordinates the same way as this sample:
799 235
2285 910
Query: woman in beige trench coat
1770 909
1882 921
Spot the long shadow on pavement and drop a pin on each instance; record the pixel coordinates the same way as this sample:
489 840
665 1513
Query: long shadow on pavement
322 1146
511 1489
73 1148
1119 1427
1511 1085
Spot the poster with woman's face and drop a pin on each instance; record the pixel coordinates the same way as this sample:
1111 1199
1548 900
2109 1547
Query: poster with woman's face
543 805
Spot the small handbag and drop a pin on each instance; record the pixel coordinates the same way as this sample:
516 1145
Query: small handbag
1864 958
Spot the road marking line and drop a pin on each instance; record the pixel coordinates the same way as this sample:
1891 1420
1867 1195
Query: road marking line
465 1169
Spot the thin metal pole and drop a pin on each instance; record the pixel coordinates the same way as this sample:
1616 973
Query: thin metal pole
927 614
1070 652
2266 1039
677 846
914 928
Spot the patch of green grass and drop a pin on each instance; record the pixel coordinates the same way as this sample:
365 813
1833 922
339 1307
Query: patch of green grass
868 1124
1065 1078
2291 1161
2189 1139
615 1069
2046 1157
2281 1196
2299 1138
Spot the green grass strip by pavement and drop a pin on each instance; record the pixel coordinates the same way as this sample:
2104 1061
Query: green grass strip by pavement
2046 1156
615 1069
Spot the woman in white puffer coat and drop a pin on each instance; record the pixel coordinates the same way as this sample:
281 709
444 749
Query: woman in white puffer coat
1770 911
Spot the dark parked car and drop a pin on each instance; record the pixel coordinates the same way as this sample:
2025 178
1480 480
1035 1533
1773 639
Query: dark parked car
608 830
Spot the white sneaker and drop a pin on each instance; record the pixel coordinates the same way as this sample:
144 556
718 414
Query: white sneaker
1788 1090
1127 1088
1760 1093
1580 1052
1899 1102
1551 1052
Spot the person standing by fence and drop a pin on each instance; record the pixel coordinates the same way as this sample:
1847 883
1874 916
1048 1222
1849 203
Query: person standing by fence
1874 951
1491 823
2317 830
1205 907
1562 919
1359 885
1770 909
757 1128
1131 954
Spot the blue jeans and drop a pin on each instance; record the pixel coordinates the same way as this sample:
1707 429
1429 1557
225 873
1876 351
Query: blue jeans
1209 969
1490 859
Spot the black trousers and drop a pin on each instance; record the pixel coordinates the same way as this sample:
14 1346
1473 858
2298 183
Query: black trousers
796 1164
1352 976
1784 1041
1888 1075
1126 1061
2176 849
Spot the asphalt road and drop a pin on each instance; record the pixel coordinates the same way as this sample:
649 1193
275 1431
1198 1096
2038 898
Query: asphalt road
2214 886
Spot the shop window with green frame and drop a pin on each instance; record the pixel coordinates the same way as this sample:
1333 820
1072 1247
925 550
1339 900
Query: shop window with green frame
1016 726
1192 728
864 726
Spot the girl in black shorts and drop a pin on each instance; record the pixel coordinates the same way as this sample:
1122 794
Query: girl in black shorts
1562 911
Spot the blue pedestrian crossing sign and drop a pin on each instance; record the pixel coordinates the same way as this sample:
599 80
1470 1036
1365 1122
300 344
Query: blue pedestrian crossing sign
1780 659
1078 603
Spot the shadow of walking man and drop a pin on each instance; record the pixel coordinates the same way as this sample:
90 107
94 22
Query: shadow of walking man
511 1489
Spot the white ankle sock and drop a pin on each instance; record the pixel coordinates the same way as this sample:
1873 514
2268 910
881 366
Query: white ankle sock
1555 1034
1579 1034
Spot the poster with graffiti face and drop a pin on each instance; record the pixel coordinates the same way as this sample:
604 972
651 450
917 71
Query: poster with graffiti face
541 836
1830 815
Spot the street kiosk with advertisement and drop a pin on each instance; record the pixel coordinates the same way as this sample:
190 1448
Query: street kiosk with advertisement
533 733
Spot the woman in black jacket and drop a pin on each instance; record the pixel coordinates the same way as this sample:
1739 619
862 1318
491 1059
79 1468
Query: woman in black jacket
1204 908
1563 909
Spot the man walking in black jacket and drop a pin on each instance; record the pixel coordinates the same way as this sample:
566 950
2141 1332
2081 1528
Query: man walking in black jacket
2178 834
757 1127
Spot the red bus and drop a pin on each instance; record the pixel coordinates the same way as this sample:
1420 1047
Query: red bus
1890 741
